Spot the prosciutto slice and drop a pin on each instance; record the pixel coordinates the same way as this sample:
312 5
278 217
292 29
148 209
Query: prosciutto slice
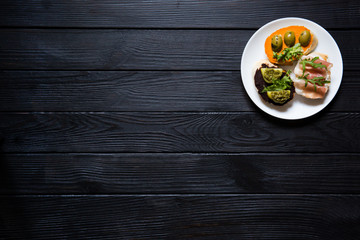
317 72
309 91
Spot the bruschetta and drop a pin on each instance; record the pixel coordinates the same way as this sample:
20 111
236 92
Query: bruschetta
286 45
312 75
273 83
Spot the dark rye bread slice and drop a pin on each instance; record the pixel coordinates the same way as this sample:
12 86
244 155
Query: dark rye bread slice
260 83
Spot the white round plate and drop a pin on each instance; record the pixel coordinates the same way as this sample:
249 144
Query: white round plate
299 107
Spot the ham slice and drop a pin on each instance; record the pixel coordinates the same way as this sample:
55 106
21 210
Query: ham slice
313 74
317 71
309 91
323 62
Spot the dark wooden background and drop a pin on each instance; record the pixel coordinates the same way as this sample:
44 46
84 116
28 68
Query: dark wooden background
129 120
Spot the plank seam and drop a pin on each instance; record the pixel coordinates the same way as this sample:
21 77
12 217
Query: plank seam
154 28
180 195
194 153
184 153
157 112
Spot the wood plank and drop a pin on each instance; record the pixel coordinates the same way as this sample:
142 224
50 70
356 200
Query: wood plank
177 132
140 91
122 91
174 14
179 173
181 217
80 49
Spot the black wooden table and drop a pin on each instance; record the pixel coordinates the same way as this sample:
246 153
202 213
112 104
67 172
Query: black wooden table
129 120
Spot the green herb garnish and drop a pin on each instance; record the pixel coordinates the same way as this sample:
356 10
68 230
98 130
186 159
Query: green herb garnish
280 84
291 53
315 81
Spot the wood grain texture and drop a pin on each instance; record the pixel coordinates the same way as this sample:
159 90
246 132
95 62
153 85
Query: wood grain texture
174 14
89 49
141 91
133 117
181 217
177 132
178 173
